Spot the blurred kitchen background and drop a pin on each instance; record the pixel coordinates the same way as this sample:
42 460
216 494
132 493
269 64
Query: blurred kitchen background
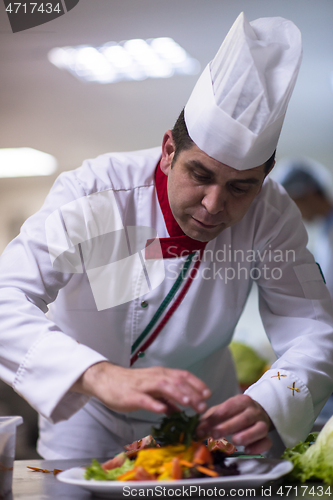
45 107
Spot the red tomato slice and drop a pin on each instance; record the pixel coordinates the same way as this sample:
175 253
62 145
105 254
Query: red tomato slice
202 455
142 475
117 461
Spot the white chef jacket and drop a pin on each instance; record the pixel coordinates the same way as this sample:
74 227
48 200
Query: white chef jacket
42 356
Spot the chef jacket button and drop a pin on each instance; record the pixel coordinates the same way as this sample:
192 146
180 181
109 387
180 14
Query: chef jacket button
141 354
144 304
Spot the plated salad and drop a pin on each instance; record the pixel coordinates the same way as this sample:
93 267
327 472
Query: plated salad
172 452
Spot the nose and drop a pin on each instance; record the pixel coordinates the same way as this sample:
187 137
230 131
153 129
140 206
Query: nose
214 199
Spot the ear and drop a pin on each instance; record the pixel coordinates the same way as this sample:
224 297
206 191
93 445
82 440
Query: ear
168 151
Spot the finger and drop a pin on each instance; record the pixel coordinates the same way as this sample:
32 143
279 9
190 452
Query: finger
137 401
225 411
174 393
195 392
245 420
259 447
176 386
198 385
204 417
221 419
171 408
232 416
250 435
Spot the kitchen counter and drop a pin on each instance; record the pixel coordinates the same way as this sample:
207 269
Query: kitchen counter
29 485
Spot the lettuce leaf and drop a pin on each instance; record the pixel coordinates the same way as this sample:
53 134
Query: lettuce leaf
95 471
313 461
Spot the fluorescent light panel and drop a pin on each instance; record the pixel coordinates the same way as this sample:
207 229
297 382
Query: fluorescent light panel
129 60
25 162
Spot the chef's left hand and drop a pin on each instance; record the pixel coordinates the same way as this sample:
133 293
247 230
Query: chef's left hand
241 417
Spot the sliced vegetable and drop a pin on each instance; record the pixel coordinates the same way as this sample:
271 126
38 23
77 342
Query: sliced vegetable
37 469
202 455
153 460
186 463
127 476
138 473
177 472
115 462
96 471
208 472
181 456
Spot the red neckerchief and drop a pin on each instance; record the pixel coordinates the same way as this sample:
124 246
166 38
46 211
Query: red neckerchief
179 244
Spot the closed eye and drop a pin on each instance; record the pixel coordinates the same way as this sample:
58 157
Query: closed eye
239 190
200 178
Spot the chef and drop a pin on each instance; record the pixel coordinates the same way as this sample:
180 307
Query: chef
120 296
310 185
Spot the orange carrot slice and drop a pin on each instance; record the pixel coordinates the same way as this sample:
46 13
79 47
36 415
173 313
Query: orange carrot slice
176 469
206 471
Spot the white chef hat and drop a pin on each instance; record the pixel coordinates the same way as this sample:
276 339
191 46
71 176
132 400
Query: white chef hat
236 110
302 175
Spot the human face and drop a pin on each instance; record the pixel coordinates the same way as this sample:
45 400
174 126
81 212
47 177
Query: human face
313 205
205 195
306 206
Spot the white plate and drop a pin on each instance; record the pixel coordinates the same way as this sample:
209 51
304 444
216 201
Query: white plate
253 473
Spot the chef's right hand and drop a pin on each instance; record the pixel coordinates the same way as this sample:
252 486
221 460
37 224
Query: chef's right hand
156 389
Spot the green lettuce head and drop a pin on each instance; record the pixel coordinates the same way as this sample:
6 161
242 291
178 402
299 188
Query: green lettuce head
313 461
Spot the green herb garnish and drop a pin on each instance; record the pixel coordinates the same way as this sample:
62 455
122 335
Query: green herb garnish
177 428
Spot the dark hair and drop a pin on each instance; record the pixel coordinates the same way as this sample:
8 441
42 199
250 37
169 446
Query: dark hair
183 141
180 136
269 163
299 182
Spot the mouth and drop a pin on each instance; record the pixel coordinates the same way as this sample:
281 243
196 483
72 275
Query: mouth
205 226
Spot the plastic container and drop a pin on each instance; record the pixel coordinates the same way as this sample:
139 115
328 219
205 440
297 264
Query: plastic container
7 451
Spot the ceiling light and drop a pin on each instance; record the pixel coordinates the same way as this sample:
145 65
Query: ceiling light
129 60
25 162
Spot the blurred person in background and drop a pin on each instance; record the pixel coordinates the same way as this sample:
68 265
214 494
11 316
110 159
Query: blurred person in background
310 185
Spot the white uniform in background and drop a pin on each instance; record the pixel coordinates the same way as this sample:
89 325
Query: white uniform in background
323 250
301 176
41 357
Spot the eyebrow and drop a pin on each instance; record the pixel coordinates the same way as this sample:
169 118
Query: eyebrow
250 180
198 164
